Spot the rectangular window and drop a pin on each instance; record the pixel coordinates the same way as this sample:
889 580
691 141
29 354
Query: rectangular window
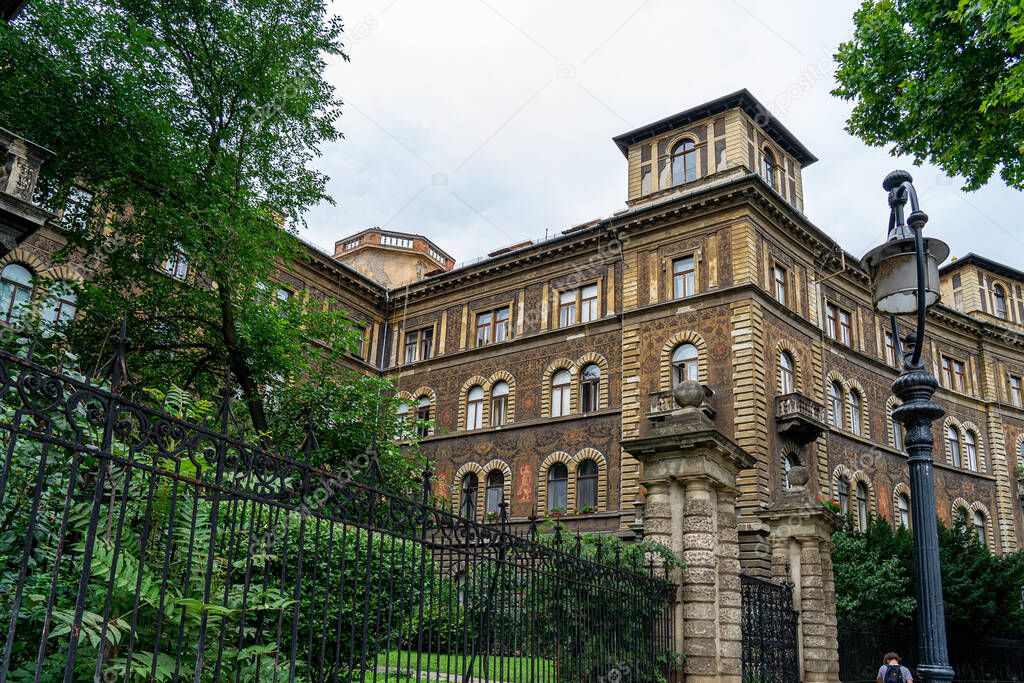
588 304
577 305
845 328
361 341
891 356
839 324
567 309
959 377
958 300
953 375
419 345
684 277
492 326
501 317
645 179
484 323
780 284
1016 396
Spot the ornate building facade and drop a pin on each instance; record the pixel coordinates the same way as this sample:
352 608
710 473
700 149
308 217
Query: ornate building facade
535 363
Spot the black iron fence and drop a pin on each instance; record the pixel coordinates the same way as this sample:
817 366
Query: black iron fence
135 546
769 631
862 646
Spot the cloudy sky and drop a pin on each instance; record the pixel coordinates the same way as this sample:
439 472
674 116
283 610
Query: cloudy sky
480 123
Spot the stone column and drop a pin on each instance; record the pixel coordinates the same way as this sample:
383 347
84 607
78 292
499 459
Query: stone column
691 467
801 531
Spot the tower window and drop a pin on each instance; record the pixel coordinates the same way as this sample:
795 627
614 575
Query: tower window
684 162
999 302
769 168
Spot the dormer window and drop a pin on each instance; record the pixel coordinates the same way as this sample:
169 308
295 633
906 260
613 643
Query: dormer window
769 167
684 162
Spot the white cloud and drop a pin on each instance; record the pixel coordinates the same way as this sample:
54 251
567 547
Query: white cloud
480 123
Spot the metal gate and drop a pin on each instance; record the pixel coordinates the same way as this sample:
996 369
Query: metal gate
769 632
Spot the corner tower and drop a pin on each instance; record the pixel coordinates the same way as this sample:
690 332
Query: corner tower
392 259
717 141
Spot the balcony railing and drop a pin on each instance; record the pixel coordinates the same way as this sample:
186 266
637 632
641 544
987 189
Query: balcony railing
799 418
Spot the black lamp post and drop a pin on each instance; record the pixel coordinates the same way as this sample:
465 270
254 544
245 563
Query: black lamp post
905 276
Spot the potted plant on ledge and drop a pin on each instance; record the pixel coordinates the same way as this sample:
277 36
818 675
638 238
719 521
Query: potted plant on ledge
829 504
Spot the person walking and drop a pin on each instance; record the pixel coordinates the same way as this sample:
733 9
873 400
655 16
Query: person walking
892 671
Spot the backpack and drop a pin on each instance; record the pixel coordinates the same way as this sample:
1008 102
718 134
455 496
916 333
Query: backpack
893 674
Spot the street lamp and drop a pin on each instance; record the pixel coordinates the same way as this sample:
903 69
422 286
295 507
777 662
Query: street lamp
905 275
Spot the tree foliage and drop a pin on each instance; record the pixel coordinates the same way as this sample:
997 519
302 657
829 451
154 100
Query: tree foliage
875 582
940 81
194 124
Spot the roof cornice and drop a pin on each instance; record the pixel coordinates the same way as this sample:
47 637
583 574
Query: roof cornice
741 99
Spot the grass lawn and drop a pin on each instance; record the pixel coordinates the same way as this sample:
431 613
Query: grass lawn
505 669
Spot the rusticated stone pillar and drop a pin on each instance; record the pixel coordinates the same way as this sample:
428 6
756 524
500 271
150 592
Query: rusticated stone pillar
692 467
801 531
730 596
700 581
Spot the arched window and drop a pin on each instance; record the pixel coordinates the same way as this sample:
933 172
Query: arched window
862 506
15 291
787 383
561 392
402 413
499 403
769 168
590 388
495 492
586 486
788 463
979 527
903 510
558 488
843 493
855 411
953 443
467 497
684 364
422 416
835 391
61 304
475 407
971 449
684 162
999 302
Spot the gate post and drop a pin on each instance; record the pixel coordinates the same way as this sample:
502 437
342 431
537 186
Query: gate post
801 533
689 471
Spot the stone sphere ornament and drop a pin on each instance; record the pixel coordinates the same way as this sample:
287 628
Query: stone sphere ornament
798 477
689 394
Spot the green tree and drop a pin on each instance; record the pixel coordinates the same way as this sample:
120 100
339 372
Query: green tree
874 578
940 81
194 125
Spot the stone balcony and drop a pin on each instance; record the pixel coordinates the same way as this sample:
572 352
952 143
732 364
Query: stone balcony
20 162
663 403
799 418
